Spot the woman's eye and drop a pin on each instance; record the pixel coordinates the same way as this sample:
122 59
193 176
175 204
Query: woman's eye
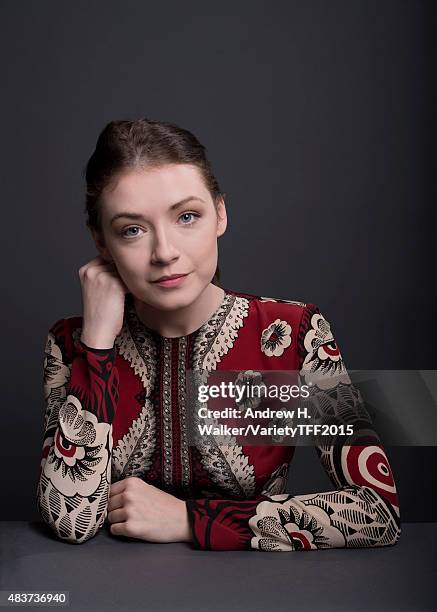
188 214
124 232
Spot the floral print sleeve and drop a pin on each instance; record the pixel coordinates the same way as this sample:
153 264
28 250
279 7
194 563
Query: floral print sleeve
80 392
362 510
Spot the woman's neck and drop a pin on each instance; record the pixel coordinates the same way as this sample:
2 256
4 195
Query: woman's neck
183 321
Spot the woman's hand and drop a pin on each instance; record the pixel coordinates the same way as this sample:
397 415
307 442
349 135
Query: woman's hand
103 295
140 510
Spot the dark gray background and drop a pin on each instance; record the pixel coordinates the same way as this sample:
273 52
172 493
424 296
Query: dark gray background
317 118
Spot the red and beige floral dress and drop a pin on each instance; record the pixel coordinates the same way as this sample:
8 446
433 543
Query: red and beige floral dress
120 412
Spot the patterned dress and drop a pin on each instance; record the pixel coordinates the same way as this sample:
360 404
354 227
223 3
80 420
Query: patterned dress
120 412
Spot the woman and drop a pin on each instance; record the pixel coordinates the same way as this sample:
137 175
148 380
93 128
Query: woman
116 441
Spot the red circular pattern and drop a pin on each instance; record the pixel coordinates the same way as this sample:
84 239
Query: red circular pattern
297 535
372 469
67 452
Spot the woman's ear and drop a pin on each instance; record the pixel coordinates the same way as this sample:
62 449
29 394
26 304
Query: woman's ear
222 218
100 245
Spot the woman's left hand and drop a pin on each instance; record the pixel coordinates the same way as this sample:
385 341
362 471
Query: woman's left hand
137 509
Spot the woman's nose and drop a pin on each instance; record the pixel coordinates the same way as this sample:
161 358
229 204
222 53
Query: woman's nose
163 249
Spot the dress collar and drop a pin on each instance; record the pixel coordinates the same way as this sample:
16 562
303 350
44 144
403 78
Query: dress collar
212 325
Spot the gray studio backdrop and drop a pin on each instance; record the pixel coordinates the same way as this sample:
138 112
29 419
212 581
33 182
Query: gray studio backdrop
317 118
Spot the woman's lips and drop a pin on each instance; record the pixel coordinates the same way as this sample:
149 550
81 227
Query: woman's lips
171 282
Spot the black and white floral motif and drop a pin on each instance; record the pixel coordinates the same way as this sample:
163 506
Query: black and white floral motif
276 338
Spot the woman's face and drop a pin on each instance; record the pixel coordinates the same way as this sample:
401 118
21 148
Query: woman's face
147 236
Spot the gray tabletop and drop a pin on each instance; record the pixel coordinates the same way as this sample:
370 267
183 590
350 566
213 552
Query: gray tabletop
109 572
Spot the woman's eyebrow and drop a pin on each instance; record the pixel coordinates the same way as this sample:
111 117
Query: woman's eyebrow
138 216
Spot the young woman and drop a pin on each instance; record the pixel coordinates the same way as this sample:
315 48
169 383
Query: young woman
116 444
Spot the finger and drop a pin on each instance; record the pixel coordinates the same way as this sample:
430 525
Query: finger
115 501
117 487
117 516
97 262
118 529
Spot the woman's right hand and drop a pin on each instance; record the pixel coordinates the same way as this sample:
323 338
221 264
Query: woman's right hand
103 296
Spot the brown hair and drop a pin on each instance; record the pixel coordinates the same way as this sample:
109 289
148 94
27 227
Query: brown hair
143 143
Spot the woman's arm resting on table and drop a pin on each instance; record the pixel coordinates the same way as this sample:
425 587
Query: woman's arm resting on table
80 402
363 511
